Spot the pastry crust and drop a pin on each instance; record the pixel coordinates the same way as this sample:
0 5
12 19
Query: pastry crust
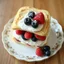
21 13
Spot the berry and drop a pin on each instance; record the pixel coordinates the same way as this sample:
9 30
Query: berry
31 14
47 53
27 21
19 32
46 48
40 37
39 52
34 38
23 37
34 24
40 18
28 35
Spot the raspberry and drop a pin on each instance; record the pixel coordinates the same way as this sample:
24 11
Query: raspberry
39 52
28 35
40 18
19 32
40 37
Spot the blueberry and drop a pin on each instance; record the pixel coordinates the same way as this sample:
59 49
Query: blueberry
27 21
31 14
47 53
23 37
34 24
34 38
46 48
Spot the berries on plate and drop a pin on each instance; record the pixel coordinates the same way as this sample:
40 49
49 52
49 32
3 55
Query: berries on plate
19 32
43 51
34 24
40 18
27 21
46 48
31 14
28 35
40 37
47 53
39 52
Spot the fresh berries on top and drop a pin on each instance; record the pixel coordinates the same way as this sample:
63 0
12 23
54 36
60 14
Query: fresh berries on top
28 35
27 21
40 37
34 24
39 52
34 20
40 18
31 14
19 32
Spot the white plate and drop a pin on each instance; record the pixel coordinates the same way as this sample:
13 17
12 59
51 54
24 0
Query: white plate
26 53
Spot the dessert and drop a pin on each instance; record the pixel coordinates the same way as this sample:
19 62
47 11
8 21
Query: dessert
31 26
32 35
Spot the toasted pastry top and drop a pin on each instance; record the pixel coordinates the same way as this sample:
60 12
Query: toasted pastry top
21 13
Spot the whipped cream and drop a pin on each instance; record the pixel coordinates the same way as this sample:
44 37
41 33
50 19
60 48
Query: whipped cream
30 42
23 26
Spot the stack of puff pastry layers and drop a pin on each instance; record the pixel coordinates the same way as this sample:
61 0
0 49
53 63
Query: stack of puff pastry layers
44 30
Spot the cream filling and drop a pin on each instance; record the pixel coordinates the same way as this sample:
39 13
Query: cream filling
23 26
30 42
